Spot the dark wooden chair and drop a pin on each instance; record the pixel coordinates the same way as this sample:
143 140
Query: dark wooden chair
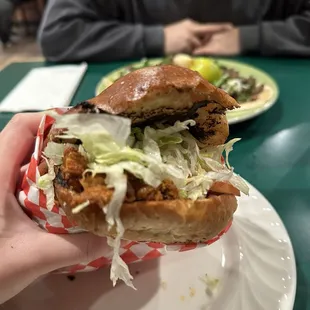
25 8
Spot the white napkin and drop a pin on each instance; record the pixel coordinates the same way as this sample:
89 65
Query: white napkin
44 88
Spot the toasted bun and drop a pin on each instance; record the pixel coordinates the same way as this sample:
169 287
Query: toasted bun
158 89
155 93
167 221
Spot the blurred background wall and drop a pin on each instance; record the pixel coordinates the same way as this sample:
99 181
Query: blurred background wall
21 44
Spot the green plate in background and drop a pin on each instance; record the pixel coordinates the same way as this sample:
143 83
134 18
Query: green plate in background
247 111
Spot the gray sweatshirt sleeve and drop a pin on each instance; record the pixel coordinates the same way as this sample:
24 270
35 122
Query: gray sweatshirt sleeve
72 30
270 38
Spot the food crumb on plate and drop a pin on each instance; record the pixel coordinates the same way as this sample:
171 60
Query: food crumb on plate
192 292
71 278
182 297
163 285
211 284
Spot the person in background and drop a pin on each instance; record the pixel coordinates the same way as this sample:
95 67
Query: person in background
107 30
6 13
7 8
27 251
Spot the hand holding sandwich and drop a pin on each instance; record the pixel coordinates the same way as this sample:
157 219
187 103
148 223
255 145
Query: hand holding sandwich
141 162
24 254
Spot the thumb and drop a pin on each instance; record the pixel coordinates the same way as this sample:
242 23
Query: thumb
203 50
201 29
59 251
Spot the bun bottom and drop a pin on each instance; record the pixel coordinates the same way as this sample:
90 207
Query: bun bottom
167 221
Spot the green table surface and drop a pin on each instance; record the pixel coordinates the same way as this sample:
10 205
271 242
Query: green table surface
274 154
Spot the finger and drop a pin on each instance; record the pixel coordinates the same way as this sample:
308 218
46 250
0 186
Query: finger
43 253
68 250
22 172
206 38
16 141
204 50
199 51
194 42
210 28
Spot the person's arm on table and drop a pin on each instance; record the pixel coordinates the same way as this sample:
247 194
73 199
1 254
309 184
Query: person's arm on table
224 43
289 37
28 252
73 30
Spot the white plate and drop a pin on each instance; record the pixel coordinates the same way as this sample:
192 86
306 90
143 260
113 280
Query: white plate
254 263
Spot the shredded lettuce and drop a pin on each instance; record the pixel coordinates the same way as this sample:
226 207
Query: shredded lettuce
124 154
228 147
112 129
83 152
45 183
80 207
169 140
177 127
131 141
217 151
104 139
141 172
231 177
119 269
152 154
115 178
55 152
137 132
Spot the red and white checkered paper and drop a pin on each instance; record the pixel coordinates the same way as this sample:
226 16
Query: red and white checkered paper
55 221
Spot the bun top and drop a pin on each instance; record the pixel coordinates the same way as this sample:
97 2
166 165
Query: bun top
166 92
158 91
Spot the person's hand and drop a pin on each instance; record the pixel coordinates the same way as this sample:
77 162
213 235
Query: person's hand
226 43
27 252
187 35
